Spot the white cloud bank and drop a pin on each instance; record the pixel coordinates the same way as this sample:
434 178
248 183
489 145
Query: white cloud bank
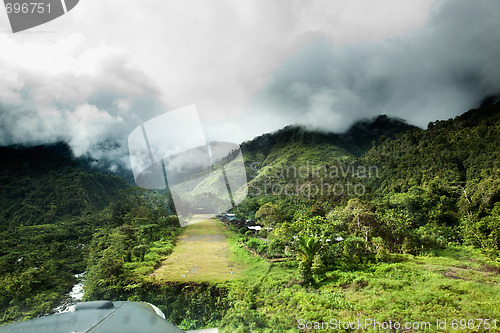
93 75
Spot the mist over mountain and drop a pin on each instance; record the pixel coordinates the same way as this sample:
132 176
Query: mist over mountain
370 192
42 183
432 187
324 65
356 140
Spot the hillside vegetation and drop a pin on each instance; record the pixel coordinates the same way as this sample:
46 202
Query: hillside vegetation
386 222
51 207
411 228
440 184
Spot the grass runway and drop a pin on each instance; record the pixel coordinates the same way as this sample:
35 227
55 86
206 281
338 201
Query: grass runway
202 254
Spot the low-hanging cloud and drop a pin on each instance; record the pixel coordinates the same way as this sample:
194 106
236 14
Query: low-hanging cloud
436 72
90 101
249 67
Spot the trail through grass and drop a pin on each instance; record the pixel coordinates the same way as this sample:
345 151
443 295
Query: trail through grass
202 254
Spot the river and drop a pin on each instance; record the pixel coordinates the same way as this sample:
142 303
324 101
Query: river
73 297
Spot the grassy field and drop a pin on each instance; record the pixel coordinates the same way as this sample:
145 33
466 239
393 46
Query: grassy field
457 283
202 254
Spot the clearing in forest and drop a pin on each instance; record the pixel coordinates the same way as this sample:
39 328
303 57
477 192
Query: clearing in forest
202 253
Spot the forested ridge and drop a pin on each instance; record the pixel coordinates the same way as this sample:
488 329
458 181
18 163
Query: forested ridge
408 237
421 241
447 175
443 181
51 207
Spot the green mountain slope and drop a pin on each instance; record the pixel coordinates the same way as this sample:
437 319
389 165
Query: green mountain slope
45 183
49 208
442 182
460 150
294 155
303 158
356 140
431 188
448 175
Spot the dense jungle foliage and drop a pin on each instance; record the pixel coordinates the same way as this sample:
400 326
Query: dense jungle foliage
419 189
386 221
52 206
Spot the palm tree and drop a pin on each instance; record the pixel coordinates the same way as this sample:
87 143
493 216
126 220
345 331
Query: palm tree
307 249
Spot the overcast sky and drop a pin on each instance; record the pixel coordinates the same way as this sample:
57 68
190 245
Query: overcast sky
94 74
